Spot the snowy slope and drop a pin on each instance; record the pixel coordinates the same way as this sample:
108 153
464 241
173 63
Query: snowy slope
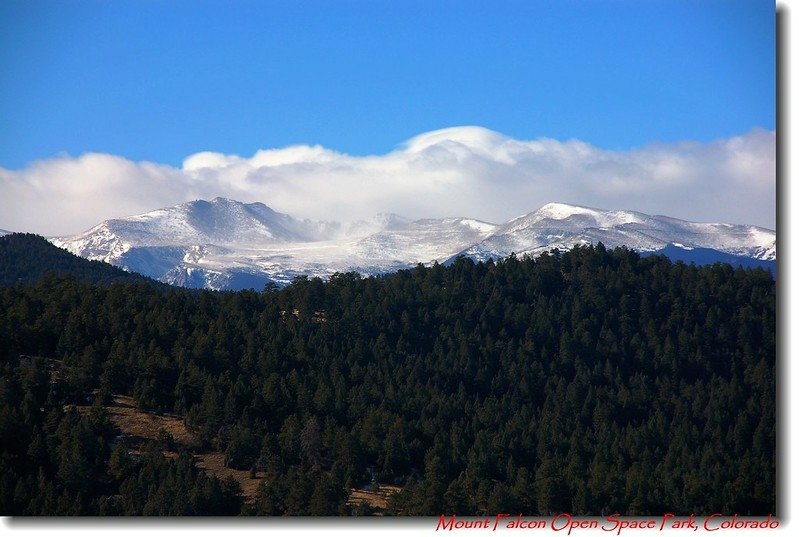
173 244
225 244
424 241
220 221
558 225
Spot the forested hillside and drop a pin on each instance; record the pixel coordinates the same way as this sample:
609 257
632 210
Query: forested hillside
589 381
25 257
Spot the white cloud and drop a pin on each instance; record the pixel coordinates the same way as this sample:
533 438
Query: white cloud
463 171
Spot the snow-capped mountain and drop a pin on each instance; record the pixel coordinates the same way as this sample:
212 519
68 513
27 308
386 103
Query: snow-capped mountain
176 244
557 225
220 221
226 244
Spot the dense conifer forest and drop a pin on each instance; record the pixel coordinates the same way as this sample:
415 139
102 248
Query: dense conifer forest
587 381
25 258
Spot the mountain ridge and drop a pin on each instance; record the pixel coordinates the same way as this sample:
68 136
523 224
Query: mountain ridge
217 243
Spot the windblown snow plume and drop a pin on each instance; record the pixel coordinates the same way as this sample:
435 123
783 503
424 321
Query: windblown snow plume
226 244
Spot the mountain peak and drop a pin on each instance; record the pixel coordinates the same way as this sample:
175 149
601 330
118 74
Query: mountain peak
559 211
219 200
597 217
220 221
218 239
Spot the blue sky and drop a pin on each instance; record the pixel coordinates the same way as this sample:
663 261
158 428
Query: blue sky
160 80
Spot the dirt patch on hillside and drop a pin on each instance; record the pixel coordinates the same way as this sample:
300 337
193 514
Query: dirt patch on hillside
214 464
375 499
138 425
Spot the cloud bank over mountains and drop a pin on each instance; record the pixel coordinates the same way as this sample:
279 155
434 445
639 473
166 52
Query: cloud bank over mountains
451 172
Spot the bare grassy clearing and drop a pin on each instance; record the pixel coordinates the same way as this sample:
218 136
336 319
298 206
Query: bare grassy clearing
375 499
138 426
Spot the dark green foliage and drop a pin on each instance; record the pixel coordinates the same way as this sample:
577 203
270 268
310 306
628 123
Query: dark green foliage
589 381
25 258
61 462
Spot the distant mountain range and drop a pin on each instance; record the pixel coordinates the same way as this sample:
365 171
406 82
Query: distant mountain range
226 244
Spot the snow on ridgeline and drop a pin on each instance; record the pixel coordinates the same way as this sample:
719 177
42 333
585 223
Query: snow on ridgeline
224 243
558 225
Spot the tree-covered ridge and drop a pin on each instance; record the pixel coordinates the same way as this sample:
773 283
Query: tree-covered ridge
589 381
25 258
